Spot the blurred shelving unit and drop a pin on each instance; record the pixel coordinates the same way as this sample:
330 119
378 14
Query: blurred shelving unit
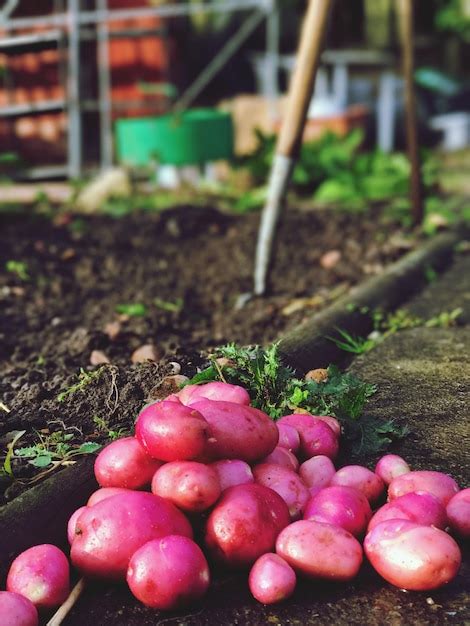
69 27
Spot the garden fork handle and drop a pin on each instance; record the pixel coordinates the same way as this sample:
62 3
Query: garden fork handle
303 79
290 137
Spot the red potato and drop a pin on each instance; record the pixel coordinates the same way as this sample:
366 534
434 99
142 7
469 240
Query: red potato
105 492
390 466
345 507
245 523
216 391
172 432
411 556
458 513
317 473
237 431
286 483
420 507
125 463
284 457
72 524
108 533
361 479
440 485
332 423
191 486
168 573
320 550
42 575
271 579
16 610
288 437
232 472
316 437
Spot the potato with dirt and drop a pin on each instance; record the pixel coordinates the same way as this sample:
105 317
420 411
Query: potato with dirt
440 485
271 579
191 486
216 391
109 532
125 463
170 431
411 556
316 436
390 466
362 479
41 574
458 513
320 551
286 483
16 610
420 507
168 573
345 507
237 431
244 524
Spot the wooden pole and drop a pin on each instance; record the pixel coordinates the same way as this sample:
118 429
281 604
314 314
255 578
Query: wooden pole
405 19
303 79
290 136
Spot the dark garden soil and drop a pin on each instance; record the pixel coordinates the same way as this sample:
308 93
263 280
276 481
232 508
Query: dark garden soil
195 261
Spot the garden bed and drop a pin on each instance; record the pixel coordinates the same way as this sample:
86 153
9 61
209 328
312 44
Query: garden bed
79 272
176 278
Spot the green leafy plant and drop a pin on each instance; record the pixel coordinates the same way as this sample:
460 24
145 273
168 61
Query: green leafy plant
6 468
451 17
103 426
133 309
275 389
54 448
352 343
444 319
334 169
389 324
84 379
19 268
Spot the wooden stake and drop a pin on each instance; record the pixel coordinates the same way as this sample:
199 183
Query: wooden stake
405 18
303 78
64 610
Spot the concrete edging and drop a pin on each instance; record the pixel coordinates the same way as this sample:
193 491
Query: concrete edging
307 347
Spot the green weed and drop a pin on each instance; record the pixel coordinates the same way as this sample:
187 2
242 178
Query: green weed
133 309
19 269
84 379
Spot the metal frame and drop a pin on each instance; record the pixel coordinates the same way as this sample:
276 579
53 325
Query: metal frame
72 22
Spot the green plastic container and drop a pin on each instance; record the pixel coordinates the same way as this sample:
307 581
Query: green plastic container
195 137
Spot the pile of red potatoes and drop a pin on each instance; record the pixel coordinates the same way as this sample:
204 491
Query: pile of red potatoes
270 501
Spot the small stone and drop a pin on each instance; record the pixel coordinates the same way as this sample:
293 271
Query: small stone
319 375
112 329
144 353
330 259
97 357
175 367
68 254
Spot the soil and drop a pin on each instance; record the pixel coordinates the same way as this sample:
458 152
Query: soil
80 269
